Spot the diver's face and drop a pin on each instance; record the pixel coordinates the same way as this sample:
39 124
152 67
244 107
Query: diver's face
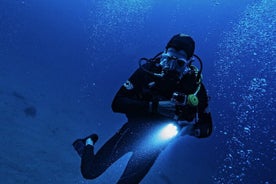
174 60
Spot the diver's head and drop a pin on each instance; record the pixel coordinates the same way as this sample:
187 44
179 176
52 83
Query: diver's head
182 42
177 55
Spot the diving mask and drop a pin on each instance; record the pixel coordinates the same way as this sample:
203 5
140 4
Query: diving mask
173 60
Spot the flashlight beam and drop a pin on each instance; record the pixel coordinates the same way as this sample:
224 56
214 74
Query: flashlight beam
168 132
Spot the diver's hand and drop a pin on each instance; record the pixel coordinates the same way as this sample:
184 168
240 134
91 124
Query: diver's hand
166 108
187 130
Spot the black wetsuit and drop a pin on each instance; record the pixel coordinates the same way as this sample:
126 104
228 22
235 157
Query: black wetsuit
136 135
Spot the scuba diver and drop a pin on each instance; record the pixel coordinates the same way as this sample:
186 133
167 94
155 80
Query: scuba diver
164 92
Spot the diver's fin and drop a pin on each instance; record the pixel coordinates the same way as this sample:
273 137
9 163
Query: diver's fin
79 144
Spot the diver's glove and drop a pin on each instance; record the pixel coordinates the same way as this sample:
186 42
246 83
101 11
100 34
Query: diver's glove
204 125
201 129
164 108
190 130
186 130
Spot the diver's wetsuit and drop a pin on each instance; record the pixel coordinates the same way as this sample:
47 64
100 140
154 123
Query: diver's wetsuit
136 135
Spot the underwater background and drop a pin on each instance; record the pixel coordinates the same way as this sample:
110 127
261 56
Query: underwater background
62 61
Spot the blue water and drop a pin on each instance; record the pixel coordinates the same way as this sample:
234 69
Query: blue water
68 58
